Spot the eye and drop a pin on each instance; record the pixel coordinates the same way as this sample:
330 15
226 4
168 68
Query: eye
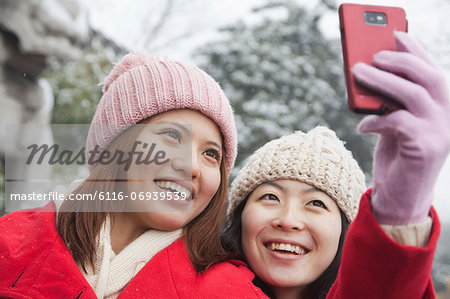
317 203
270 197
213 154
172 134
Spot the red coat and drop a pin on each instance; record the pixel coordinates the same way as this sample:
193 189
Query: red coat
35 263
375 266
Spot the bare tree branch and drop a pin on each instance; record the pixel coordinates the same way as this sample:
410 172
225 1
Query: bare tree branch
167 11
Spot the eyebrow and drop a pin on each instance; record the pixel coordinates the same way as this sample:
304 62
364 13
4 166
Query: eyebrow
311 189
187 131
276 185
215 144
180 126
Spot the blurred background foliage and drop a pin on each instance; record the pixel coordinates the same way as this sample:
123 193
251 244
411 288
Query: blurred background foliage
2 187
75 85
281 75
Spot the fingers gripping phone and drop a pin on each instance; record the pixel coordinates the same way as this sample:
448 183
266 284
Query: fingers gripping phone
366 30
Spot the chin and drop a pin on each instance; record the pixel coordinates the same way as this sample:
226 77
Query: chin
173 225
169 222
283 282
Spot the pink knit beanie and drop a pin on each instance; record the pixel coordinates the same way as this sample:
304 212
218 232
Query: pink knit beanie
141 85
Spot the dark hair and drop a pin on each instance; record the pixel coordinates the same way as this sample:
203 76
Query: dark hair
79 230
203 233
232 242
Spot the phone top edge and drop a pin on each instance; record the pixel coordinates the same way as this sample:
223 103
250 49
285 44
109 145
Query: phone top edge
376 8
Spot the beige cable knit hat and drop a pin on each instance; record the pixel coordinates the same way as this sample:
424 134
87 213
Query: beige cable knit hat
318 158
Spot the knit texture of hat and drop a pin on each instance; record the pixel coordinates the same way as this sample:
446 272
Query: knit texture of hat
140 86
317 158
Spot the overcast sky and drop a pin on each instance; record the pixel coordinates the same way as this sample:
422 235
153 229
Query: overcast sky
124 22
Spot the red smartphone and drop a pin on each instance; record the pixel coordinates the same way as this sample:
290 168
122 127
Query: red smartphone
366 30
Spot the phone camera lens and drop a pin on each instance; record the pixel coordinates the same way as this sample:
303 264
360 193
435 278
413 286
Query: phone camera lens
375 18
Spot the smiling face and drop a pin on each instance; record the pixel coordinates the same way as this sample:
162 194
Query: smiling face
290 233
192 144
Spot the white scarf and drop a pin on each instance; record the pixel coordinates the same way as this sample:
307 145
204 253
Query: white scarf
113 272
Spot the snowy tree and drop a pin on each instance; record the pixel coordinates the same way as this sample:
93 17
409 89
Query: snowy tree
2 189
282 75
441 265
75 84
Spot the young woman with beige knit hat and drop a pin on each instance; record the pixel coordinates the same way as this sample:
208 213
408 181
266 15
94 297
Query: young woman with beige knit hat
294 200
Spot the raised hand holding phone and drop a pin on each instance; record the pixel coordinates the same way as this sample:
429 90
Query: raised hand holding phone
415 141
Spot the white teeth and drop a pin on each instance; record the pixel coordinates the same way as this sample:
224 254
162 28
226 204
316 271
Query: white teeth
174 187
287 247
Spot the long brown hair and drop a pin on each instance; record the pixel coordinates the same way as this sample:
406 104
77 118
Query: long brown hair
79 229
203 233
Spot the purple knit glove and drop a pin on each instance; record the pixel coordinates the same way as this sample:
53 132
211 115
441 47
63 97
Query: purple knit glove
414 142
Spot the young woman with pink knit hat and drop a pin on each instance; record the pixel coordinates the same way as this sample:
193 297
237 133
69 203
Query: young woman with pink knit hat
124 248
294 200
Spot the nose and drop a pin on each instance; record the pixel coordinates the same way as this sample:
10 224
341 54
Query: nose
186 165
289 219
195 169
